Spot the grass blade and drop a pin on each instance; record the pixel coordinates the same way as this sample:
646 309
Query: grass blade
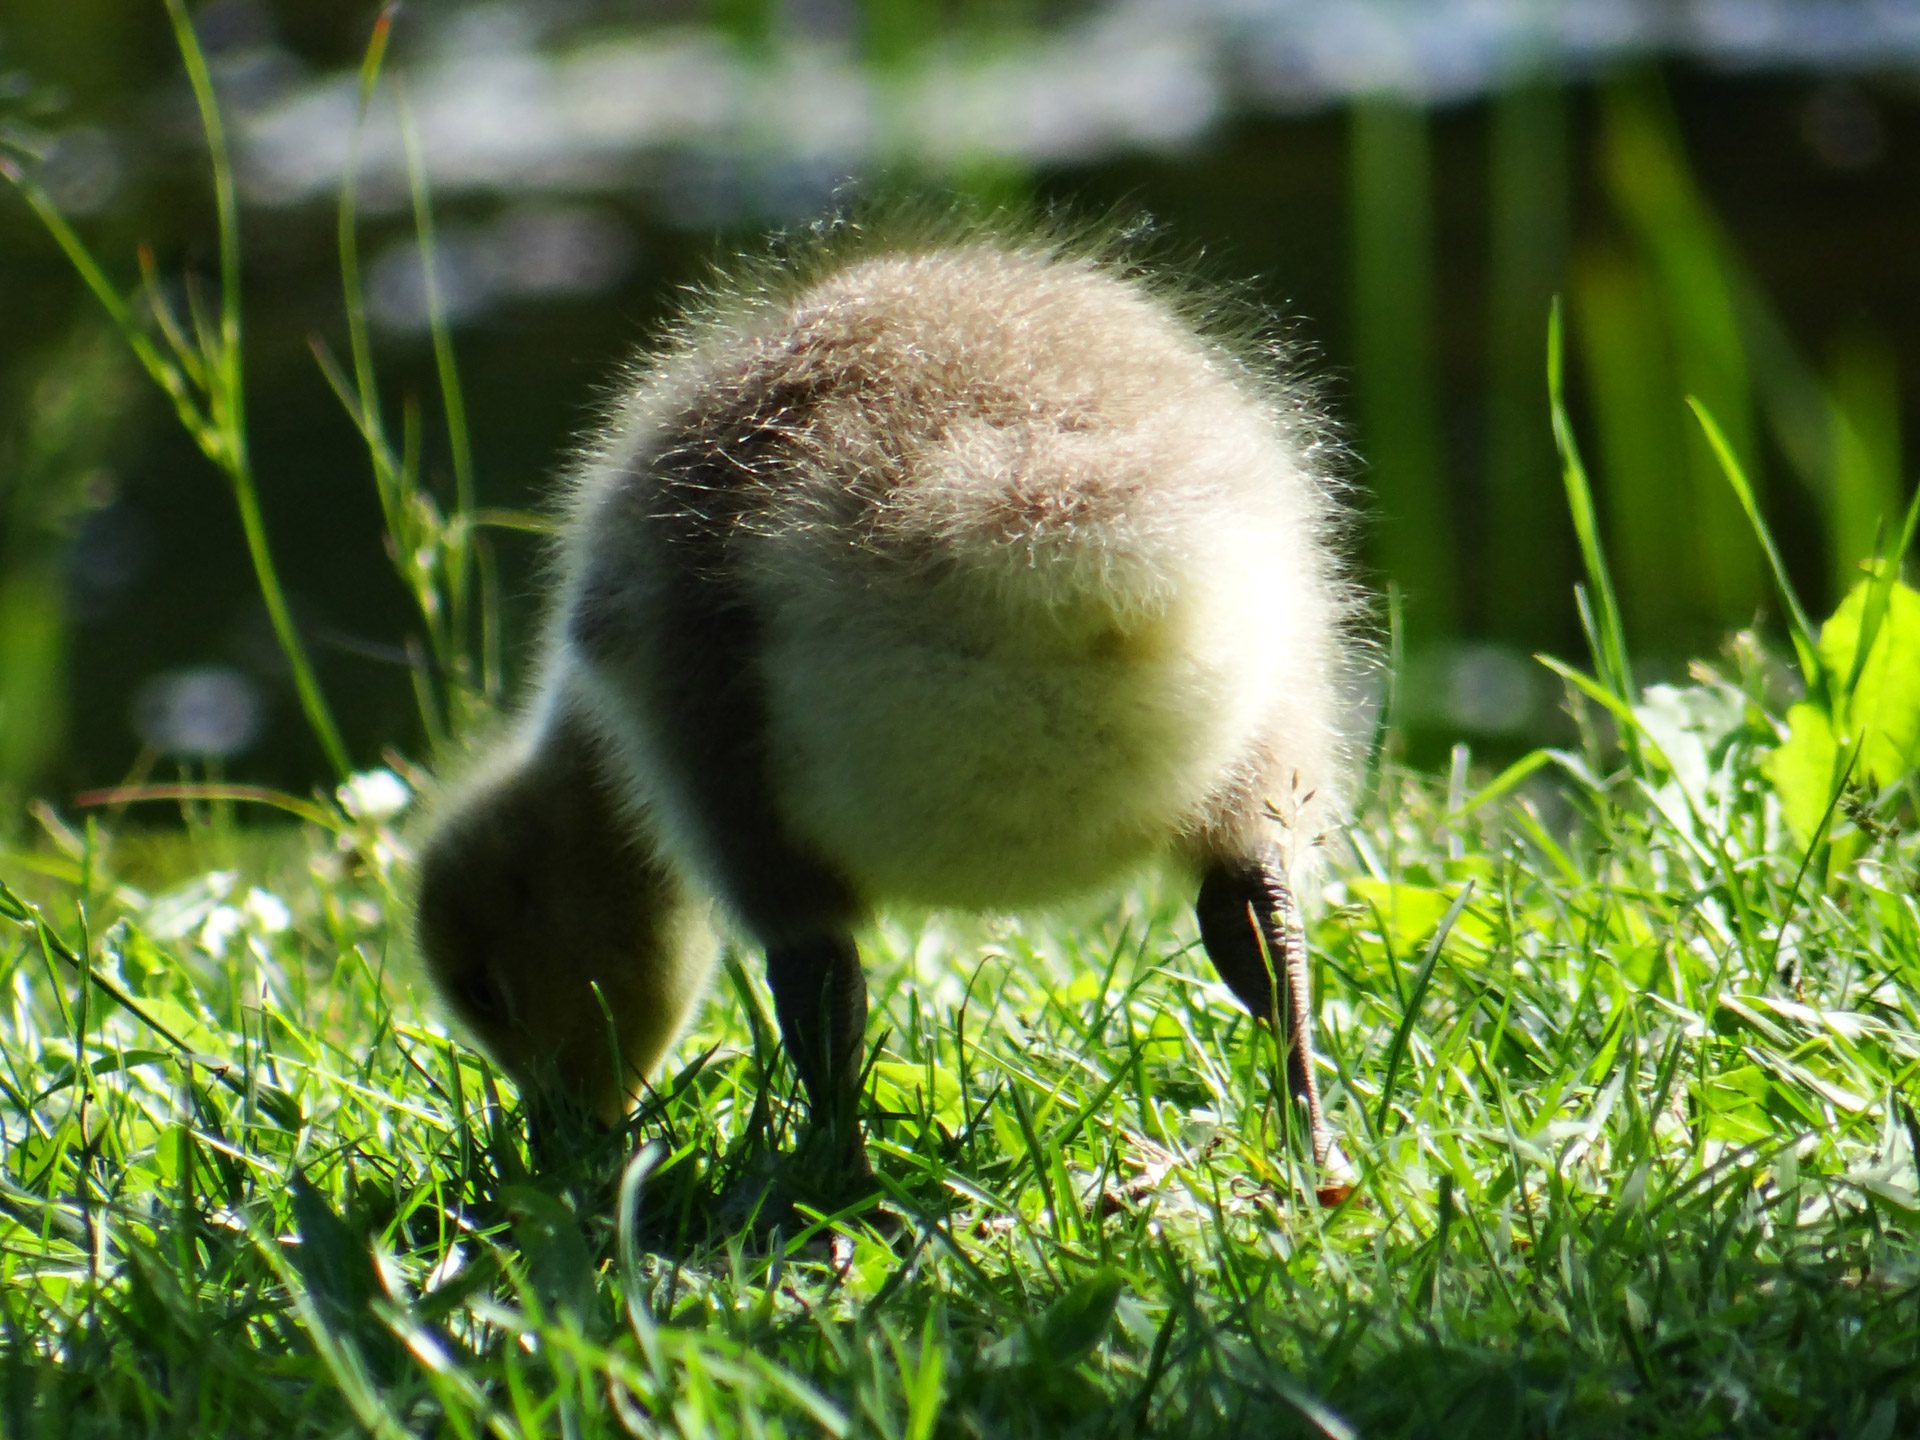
452 400
1611 658
1805 644
1398 1049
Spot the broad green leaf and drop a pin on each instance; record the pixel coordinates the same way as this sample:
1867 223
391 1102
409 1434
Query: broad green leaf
1885 704
1083 989
171 1152
1733 1105
1408 914
902 1088
190 1027
1801 769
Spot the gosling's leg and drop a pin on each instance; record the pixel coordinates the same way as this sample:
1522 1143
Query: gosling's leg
1251 928
820 997
680 638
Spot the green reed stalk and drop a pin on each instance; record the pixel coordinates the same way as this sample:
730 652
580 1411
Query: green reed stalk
1393 342
1630 387
1865 450
435 555
226 400
210 363
459 533
1607 635
1692 266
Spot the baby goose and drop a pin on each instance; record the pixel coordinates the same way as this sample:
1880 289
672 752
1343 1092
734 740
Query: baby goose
960 573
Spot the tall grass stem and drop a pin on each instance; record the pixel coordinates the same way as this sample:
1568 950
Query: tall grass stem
1610 648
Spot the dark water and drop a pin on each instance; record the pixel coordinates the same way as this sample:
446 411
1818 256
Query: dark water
1812 176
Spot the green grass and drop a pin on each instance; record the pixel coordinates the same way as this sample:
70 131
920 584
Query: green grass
1618 1045
1632 1147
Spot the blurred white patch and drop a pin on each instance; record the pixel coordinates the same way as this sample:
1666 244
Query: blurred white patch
222 925
1479 689
541 251
267 912
204 908
399 297
374 796
512 97
528 252
178 913
1691 728
1491 689
82 171
207 712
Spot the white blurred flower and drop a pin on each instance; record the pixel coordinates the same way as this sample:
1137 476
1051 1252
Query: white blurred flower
222 925
374 796
178 913
268 912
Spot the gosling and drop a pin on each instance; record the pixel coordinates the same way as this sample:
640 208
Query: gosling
967 573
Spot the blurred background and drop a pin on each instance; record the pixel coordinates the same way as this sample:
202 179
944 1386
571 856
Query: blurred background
1724 192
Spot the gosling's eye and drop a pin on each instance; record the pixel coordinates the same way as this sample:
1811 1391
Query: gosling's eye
480 995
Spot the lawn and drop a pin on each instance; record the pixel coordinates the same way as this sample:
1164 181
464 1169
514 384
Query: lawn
1621 1077
1617 1041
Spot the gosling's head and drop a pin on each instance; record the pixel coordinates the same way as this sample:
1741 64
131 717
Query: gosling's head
558 939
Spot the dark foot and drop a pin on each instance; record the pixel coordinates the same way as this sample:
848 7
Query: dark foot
1251 929
820 998
565 1137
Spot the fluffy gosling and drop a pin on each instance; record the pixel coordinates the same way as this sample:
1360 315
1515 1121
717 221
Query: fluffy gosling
964 573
